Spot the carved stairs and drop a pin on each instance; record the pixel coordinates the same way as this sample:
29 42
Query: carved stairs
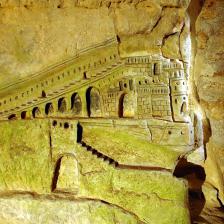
99 155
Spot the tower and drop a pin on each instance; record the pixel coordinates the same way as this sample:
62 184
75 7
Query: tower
179 96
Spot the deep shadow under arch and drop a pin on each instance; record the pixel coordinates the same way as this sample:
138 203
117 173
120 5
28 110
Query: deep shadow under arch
88 101
195 175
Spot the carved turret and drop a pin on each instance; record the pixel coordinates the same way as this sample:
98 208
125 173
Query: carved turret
179 95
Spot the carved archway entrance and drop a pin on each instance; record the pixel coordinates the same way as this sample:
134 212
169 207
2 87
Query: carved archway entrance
62 105
76 104
66 175
36 112
127 105
93 102
49 109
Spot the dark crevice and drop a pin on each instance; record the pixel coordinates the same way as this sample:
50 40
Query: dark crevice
79 133
56 174
195 176
118 39
157 22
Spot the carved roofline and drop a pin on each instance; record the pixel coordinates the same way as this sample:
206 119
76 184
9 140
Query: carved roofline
55 66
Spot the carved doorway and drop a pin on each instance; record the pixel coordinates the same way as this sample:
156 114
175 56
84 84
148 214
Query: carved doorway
66 175
121 106
183 108
76 104
36 112
93 102
127 105
62 106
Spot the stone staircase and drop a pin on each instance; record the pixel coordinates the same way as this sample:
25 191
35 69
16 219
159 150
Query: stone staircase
99 155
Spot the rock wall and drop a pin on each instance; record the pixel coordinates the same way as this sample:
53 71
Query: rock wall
36 34
209 80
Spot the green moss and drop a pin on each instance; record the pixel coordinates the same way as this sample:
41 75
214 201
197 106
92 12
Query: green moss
129 149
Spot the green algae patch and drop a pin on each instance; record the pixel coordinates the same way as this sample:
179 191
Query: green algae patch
153 196
129 149
25 156
26 210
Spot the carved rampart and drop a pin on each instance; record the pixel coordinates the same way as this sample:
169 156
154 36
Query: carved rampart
98 83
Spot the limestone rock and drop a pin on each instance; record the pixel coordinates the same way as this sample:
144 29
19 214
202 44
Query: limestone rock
138 19
27 209
209 81
171 47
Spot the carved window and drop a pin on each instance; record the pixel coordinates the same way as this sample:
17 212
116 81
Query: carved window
36 112
66 125
12 117
84 75
49 108
43 94
121 85
62 107
76 104
93 101
23 115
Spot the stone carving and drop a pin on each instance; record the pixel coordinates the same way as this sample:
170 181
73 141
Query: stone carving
140 87
66 175
121 114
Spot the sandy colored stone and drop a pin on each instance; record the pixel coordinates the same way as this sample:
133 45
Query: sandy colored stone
209 82
171 48
27 209
34 39
138 19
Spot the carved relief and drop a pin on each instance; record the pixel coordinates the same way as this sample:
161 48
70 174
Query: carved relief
99 84
93 100
66 175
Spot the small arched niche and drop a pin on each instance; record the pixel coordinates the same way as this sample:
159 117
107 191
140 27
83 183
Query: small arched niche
12 117
76 104
62 105
66 175
24 115
93 102
49 109
36 112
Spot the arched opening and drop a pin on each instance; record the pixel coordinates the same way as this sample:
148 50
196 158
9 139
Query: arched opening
127 105
43 94
12 117
183 108
49 109
79 133
76 104
66 175
36 112
84 75
23 115
93 102
66 125
62 107
121 106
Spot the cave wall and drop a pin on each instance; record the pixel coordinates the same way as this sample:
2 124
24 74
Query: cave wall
208 78
37 34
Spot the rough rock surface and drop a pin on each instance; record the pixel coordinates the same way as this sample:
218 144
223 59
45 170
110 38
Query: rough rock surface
36 34
209 80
